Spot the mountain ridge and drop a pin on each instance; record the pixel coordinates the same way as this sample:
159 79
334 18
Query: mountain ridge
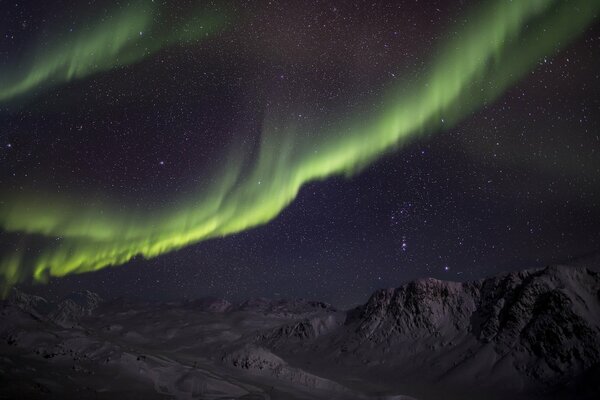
528 334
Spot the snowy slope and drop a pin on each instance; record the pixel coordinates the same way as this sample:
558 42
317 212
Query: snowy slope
522 335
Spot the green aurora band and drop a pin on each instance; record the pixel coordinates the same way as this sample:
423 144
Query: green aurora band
126 37
500 44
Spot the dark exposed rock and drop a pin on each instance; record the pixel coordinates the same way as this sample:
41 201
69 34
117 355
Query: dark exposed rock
547 320
284 307
35 305
305 329
74 307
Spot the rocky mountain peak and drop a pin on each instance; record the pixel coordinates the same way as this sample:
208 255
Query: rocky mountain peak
75 306
36 305
86 299
546 319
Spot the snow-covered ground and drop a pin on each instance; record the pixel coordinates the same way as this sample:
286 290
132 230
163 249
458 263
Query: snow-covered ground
531 334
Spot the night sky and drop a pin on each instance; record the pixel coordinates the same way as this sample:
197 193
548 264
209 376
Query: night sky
511 183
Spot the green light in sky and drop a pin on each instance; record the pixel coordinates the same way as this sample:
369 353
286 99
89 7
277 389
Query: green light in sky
121 38
501 42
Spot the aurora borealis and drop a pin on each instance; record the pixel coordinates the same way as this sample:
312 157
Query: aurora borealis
116 40
485 51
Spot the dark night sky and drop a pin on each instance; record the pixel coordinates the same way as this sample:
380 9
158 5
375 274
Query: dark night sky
516 184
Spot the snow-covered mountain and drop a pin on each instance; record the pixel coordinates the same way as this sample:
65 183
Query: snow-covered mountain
546 321
521 335
71 309
33 304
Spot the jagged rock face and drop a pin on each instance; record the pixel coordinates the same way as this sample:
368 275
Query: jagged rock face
306 329
33 304
86 300
425 307
559 338
548 320
549 317
67 313
75 306
253 358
